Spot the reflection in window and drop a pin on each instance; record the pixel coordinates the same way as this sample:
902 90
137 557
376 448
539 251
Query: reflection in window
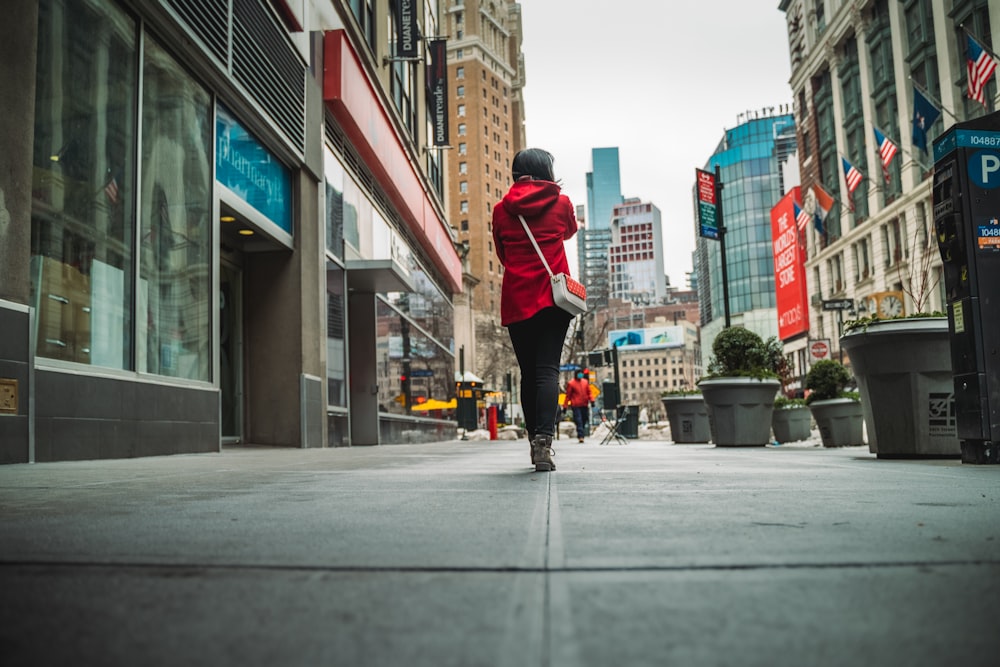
83 188
402 346
334 175
174 333
364 14
352 212
336 348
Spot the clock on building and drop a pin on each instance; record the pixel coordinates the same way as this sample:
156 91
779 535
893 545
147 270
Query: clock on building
889 304
871 305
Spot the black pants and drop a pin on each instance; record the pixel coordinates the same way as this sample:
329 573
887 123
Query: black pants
538 343
581 417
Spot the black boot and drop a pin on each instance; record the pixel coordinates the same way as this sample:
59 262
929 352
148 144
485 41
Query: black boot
542 453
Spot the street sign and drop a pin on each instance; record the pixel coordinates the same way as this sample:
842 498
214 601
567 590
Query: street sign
819 349
421 373
837 304
708 220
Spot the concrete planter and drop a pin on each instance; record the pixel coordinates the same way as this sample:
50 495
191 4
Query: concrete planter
739 410
688 417
791 424
840 422
904 374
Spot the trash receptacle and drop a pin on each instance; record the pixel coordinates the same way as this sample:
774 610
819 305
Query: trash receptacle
630 425
609 395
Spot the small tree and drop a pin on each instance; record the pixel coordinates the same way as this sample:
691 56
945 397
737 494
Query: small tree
827 379
737 351
918 281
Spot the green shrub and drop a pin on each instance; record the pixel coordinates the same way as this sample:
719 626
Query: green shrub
681 392
863 322
827 379
737 351
782 402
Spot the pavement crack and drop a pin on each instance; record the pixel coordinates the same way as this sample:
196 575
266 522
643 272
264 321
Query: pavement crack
444 569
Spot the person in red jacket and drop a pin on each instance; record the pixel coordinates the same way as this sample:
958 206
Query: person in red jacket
578 399
537 327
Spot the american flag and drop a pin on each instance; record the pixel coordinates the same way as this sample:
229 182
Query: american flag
853 178
801 218
981 66
886 151
111 190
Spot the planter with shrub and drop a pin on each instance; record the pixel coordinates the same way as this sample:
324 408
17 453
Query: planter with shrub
688 417
791 420
740 387
904 372
837 412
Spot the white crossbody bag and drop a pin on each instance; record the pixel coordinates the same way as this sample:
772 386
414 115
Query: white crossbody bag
567 293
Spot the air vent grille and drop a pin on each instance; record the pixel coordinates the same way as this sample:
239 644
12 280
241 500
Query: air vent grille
265 63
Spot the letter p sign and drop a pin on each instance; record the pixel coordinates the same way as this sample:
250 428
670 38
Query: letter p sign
991 164
984 169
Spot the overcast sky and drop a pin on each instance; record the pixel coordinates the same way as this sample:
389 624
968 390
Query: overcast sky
660 80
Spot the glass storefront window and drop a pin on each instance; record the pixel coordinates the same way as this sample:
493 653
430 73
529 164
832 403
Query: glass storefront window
336 336
83 183
175 263
353 199
402 346
333 173
427 305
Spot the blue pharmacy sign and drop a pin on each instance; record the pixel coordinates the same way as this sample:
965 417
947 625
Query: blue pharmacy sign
243 165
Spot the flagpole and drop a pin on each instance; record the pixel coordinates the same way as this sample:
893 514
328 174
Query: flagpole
980 42
982 45
923 91
850 192
836 198
899 146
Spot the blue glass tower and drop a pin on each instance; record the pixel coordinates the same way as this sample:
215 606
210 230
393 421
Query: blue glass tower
604 192
604 187
750 158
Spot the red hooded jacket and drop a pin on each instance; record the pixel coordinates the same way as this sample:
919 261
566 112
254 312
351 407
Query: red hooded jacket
552 220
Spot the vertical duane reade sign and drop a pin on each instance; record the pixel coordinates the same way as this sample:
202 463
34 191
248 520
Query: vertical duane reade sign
406 41
437 84
707 218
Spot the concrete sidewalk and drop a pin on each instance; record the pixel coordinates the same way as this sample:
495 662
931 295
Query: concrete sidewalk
458 554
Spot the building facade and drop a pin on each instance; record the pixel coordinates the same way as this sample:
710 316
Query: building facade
647 371
857 67
604 186
635 256
604 192
225 227
486 77
750 158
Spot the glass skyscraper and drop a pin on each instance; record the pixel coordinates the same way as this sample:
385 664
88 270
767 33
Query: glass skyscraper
604 192
750 158
604 187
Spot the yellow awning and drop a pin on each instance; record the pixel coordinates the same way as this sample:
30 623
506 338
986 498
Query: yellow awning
435 404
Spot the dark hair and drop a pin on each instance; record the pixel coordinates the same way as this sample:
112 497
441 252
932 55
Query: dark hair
533 162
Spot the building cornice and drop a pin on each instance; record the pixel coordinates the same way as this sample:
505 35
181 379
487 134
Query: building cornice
822 53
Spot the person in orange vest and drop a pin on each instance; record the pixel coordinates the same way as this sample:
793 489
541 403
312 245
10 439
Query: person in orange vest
578 398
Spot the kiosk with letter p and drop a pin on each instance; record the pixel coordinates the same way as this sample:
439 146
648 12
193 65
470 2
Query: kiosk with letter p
967 227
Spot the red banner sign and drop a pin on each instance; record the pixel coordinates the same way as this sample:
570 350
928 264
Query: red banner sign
789 268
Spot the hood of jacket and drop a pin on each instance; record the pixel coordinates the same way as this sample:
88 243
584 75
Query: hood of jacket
530 198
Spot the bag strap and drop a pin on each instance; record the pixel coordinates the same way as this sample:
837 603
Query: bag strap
531 238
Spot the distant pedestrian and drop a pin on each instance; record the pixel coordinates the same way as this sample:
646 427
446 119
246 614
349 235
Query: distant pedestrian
536 326
578 400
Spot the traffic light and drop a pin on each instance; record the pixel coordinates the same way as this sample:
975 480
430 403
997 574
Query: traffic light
404 385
